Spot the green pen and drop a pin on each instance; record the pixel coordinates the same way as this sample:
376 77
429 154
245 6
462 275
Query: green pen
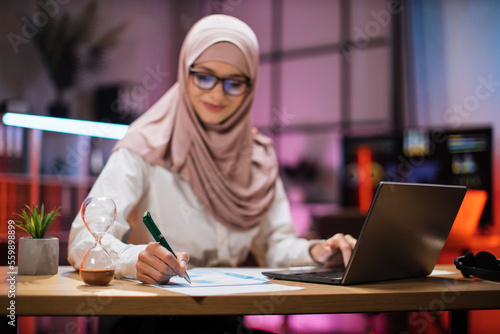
155 231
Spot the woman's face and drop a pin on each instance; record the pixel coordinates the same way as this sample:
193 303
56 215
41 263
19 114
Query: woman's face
215 105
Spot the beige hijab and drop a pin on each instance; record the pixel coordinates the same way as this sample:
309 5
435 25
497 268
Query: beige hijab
231 168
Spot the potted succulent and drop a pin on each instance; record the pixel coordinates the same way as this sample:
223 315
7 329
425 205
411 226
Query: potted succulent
38 255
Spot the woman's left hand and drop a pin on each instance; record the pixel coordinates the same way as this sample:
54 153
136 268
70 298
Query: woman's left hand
334 251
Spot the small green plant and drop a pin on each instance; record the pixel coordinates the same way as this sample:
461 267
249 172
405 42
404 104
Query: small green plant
35 221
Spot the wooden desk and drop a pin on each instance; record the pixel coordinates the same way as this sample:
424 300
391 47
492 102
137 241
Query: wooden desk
66 294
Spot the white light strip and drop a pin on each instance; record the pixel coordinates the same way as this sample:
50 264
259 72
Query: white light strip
66 125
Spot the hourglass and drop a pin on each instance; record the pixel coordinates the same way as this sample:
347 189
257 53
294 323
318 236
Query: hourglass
98 214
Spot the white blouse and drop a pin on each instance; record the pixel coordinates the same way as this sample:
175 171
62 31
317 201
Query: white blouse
136 186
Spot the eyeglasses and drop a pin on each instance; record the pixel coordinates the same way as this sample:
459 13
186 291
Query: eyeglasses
233 87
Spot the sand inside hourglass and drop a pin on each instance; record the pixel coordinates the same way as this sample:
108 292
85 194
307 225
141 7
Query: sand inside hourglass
97 276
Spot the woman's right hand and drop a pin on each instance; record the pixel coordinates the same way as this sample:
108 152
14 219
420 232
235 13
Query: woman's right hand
156 265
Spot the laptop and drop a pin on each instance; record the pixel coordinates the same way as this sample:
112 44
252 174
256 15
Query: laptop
402 237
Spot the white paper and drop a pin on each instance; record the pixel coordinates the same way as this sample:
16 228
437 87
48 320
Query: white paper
223 281
437 272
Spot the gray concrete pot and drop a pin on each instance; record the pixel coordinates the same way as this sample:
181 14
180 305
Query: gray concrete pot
38 256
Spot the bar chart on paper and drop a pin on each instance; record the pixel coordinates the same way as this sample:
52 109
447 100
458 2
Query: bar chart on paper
201 277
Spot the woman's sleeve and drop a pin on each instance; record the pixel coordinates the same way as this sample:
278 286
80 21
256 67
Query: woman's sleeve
277 243
123 179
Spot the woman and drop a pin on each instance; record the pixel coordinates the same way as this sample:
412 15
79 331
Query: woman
208 178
